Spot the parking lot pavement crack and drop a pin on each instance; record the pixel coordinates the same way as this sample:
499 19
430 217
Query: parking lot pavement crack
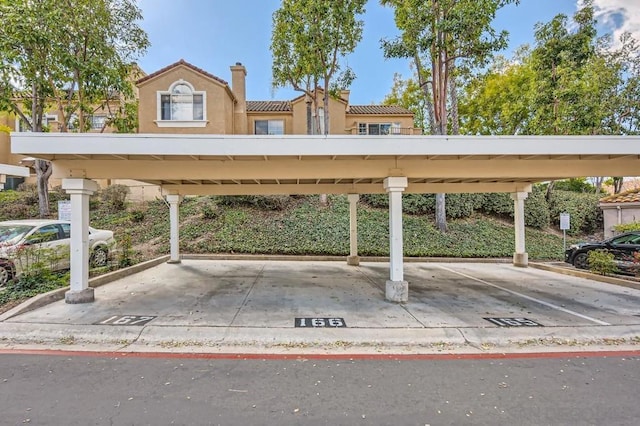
469 342
244 301
370 280
413 316
126 345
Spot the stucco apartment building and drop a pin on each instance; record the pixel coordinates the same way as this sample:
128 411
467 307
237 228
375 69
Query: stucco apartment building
184 99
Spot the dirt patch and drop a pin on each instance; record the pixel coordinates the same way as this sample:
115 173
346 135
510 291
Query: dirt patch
10 305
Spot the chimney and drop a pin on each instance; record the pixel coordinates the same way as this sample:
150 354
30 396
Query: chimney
344 94
238 87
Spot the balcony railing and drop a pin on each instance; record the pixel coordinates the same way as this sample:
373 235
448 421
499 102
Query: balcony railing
394 131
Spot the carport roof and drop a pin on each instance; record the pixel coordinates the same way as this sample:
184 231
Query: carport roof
248 164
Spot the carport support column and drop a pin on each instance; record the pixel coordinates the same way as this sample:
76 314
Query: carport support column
397 290
520 257
79 191
174 204
353 259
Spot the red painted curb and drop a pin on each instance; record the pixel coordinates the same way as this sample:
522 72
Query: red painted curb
349 357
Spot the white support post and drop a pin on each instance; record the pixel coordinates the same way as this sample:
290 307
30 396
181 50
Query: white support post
520 257
397 290
174 203
79 190
353 259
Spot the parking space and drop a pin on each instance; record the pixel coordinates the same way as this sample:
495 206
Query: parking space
272 294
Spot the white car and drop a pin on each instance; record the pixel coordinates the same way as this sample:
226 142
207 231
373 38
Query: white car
25 242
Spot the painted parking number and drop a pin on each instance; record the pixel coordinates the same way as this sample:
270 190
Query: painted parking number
127 320
513 322
320 322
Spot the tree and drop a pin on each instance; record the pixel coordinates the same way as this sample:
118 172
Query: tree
570 83
73 56
408 94
308 40
439 35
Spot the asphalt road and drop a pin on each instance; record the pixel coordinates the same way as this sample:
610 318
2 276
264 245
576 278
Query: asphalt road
101 390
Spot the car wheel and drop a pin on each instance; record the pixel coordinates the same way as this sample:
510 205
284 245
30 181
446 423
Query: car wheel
580 261
99 256
6 273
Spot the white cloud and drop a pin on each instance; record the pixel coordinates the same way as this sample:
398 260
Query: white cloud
618 16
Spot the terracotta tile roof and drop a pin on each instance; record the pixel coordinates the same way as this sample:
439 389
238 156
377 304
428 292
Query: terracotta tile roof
378 109
186 64
268 106
630 196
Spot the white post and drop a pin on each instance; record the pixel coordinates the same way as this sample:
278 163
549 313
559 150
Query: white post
397 290
79 191
353 259
520 257
174 203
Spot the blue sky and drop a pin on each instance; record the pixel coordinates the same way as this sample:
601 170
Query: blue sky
215 34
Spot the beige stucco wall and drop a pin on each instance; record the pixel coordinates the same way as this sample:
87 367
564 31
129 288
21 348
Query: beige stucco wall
219 102
616 214
287 117
337 108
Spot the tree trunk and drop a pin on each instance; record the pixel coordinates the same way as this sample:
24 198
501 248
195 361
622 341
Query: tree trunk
324 201
547 195
43 172
441 213
308 101
617 184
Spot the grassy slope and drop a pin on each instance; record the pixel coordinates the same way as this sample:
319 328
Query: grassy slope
304 227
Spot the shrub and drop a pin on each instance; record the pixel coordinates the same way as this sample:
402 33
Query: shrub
30 191
210 211
462 205
137 216
586 216
57 194
14 211
626 227
270 202
416 203
497 203
536 209
115 197
380 201
125 257
601 262
574 185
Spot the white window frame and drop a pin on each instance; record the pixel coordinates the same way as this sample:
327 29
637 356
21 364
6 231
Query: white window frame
393 128
269 121
104 118
180 123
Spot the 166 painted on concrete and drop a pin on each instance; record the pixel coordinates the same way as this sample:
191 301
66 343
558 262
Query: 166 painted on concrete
320 322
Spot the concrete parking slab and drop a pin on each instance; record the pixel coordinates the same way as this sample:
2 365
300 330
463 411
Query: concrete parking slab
213 304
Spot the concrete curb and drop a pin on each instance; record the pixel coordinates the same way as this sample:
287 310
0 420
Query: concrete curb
313 258
58 294
585 274
269 340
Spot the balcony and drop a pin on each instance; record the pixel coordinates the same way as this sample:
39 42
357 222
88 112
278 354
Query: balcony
385 130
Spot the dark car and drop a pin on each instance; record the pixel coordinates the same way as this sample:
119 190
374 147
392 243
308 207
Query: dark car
623 247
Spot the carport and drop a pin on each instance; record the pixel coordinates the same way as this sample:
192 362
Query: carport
243 165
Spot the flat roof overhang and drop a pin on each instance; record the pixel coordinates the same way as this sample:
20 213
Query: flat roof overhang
301 164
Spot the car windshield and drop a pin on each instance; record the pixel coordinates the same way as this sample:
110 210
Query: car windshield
11 234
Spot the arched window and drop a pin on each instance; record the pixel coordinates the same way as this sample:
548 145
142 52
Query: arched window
181 103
